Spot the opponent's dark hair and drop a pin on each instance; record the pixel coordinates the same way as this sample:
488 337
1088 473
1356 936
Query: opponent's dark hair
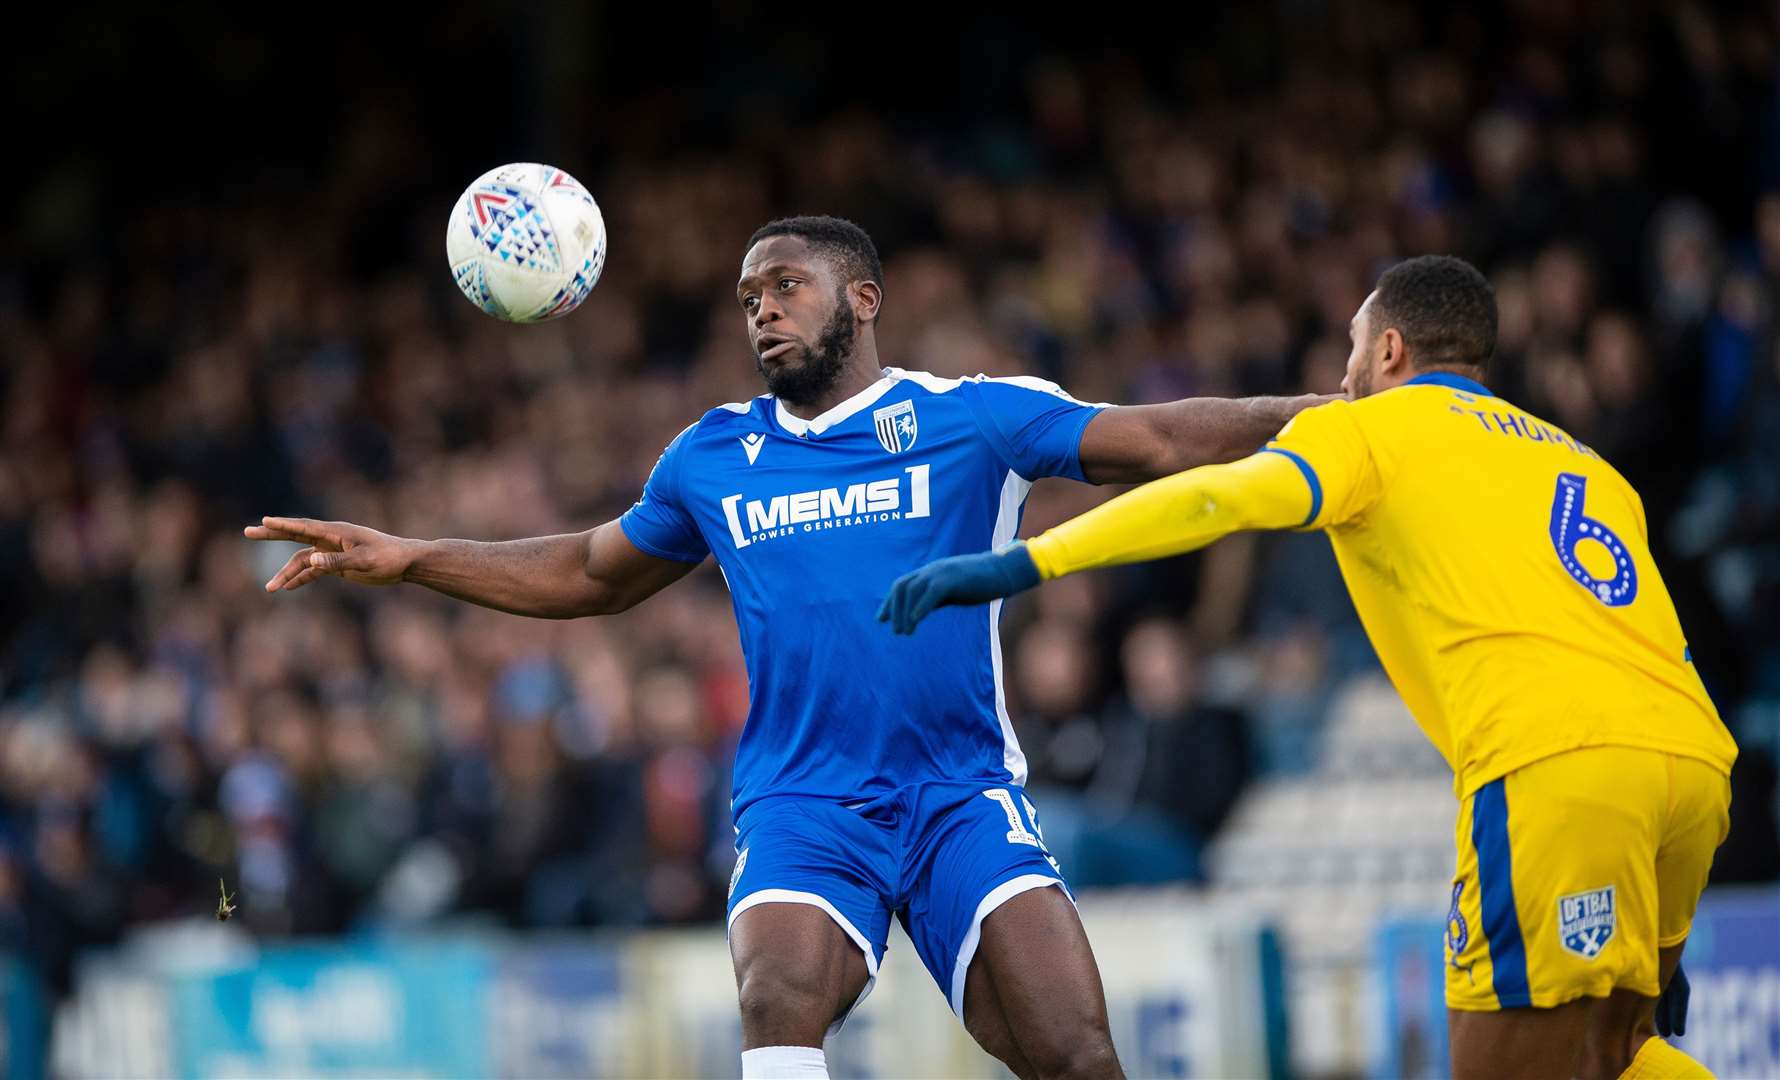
845 244
1444 308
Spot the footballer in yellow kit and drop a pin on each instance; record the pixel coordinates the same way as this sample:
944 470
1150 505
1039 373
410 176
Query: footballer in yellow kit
1502 571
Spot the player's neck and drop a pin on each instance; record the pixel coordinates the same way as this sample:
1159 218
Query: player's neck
860 372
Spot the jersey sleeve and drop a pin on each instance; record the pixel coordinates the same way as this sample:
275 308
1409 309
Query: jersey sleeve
1033 426
659 524
1330 449
1176 514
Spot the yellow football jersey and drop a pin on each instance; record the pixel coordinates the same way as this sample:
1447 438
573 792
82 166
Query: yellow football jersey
1503 572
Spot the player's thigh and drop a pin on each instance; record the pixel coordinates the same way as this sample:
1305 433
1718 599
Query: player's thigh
797 973
986 901
808 912
1594 1038
1034 971
1554 897
987 1023
972 847
1623 1020
1526 1043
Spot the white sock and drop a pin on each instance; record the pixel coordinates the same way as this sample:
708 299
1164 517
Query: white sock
784 1063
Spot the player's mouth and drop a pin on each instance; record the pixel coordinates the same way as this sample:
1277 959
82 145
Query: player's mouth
773 346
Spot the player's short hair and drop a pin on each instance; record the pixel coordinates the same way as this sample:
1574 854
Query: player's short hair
845 244
1444 308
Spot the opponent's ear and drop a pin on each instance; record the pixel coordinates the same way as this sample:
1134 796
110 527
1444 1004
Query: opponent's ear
1393 355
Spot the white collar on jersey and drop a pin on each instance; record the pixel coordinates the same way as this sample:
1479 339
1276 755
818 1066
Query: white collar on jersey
800 427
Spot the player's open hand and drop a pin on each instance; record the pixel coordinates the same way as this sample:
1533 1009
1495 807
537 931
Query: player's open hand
336 548
961 579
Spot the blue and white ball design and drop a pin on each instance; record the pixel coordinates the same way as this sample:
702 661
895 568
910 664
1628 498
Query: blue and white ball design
526 242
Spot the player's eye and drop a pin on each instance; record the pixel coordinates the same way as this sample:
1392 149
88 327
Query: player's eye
786 283
748 303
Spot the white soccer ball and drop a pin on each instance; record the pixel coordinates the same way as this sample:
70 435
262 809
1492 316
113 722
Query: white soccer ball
526 242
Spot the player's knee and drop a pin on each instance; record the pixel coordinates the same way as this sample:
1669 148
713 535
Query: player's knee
779 1004
1089 1054
998 1042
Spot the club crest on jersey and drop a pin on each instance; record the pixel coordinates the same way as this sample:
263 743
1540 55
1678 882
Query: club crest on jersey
896 426
1585 921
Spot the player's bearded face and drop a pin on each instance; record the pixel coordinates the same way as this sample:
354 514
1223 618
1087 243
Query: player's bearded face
1360 377
800 381
1362 360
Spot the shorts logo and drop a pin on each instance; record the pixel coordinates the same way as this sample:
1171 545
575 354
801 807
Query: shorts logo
1585 921
741 861
895 425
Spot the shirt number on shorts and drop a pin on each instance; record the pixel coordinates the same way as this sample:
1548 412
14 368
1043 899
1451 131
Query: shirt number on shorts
1570 526
1017 832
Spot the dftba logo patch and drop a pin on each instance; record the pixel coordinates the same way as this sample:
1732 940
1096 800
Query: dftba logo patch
1585 921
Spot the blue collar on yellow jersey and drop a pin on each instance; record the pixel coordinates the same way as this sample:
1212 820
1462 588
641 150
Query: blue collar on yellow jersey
1448 379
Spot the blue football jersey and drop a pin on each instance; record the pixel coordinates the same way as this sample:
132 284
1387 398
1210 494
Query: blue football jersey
810 522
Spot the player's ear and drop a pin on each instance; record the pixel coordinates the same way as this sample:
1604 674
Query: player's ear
866 297
1393 357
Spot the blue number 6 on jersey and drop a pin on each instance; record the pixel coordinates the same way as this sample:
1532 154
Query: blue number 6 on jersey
1569 527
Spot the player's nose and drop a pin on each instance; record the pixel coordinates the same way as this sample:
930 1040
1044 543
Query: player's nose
767 311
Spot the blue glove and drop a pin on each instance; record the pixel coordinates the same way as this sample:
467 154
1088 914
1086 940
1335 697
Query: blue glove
961 579
1671 1007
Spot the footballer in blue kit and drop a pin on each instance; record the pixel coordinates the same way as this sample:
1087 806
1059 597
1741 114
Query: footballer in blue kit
877 775
911 762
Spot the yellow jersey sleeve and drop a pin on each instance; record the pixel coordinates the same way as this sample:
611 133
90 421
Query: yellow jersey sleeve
1329 448
1178 513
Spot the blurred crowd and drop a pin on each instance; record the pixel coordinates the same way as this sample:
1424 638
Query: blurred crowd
345 757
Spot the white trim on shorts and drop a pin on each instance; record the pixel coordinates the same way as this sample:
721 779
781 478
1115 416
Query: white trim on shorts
792 896
998 896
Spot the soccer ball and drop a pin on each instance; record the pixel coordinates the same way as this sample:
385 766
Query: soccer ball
526 242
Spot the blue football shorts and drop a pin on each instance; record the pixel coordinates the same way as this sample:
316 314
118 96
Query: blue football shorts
941 855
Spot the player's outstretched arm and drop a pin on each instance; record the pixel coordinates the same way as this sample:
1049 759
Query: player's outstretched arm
1146 442
597 572
1167 517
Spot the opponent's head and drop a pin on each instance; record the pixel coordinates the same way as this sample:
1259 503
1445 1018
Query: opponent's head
1432 313
810 289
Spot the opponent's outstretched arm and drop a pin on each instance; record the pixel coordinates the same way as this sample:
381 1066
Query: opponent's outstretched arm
597 572
1267 490
1132 443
